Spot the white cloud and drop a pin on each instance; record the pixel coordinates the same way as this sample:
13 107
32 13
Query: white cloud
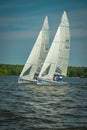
18 34
78 33
78 23
9 4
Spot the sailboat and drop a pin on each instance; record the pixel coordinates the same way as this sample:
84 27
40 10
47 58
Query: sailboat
56 62
37 56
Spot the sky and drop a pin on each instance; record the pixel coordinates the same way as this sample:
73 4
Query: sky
22 20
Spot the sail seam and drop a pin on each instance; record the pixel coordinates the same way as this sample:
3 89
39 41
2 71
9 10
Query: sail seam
63 58
64 26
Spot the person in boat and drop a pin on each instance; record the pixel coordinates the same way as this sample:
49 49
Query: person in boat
59 78
54 78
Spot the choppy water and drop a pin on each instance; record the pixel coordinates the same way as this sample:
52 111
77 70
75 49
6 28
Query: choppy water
33 107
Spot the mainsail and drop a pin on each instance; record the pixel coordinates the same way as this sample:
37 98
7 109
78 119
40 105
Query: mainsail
37 55
56 61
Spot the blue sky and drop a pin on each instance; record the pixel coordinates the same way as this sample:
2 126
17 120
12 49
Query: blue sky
21 21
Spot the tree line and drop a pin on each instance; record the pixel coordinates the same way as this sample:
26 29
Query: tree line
7 70
77 72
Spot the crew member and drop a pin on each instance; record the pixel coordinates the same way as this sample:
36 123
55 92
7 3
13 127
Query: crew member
59 79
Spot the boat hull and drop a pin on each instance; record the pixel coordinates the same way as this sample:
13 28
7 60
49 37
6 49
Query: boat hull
50 83
23 81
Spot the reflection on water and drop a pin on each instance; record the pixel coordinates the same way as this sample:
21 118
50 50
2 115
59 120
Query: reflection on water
29 107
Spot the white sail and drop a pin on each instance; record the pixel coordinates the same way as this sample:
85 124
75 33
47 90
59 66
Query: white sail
64 47
40 49
58 55
45 44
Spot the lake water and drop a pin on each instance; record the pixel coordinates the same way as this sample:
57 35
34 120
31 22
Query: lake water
31 107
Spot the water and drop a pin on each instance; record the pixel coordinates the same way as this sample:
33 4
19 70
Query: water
30 107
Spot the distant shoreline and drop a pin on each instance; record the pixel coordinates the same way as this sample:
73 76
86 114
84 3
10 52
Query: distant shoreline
15 70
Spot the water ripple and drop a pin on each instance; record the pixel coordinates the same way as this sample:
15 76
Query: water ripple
31 107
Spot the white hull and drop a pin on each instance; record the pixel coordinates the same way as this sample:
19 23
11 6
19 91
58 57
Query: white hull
50 83
23 81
